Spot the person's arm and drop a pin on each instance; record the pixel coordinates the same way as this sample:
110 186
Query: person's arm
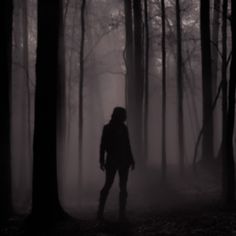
102 149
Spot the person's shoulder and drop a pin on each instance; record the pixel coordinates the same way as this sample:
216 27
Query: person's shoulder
125 127
106 126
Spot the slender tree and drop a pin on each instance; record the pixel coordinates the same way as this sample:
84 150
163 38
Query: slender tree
163 128
224 75
180 87
146 80
6 11
207 140
138 81
26 66
215 43
228 170
81 85
215 58
45 204
128 51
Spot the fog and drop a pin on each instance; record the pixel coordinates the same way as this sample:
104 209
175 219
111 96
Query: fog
105 88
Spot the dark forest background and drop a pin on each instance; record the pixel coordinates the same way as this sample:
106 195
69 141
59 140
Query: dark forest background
64 66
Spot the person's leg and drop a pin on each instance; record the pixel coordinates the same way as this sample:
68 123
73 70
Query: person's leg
110 175
123 174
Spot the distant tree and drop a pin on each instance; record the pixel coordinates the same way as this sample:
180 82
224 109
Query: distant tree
163 127
215 58
207 140
45 204
228 171
6 12
180 86
81 85
26 66
215 43
224 75
146 79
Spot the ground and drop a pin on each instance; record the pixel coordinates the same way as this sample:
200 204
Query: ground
187 204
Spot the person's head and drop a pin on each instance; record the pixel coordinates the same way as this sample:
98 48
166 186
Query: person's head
119 115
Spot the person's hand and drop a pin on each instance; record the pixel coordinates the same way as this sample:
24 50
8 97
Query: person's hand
102 166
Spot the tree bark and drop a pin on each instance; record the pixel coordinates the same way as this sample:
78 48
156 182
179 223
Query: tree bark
6 12
81 85
224 76
146 82
180 88
207 140
228 171
138 82
163 128
45 204
215 60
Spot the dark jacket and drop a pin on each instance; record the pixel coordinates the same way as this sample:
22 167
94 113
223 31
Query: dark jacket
115 144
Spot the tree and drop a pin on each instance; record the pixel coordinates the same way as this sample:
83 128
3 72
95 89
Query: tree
146 80
45 204
138 81
163 128
214 56
81 85
129 62
215 43
224 75
207 140
6 11
228 161
180 88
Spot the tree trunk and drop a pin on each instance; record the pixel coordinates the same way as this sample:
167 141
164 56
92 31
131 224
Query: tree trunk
215 57
129 62
45 204
6 12
180 88
229 187
81 85
26 66
207 140
163 128
215 44
146 82
224 75
138 82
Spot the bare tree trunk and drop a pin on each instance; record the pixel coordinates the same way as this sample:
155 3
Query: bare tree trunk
215 43
6 12
207 140
224 75
229 176
163 128
129 62
61 98
46 206
81 85
139 81
180 88
214 54
146 84
26 66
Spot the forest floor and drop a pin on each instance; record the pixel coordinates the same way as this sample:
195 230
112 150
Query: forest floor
183 205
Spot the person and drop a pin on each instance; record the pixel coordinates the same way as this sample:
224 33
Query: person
115 156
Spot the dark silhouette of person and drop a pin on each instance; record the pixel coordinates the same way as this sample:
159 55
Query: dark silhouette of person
115 156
